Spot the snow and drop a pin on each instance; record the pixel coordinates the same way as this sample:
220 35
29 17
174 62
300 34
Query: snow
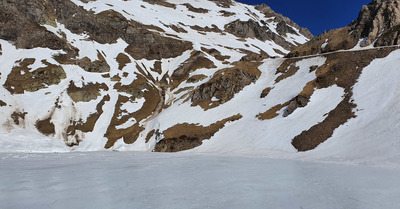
324 44
149 14
252 136
150 180
360 42
372 137
95 140
252 162
16 141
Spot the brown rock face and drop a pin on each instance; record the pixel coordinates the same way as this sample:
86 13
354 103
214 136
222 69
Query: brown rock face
20 23
86 93
223 86
194 9
333 40
196 61
18 117
144 44
223 3
21 79
188 136
97 66
45 127
378 21
161 2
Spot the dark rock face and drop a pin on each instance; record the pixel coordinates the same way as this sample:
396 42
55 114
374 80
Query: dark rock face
176 144
18 117
20 23
298 101
282 28
268 12
223 3
149 45
97 66
251 29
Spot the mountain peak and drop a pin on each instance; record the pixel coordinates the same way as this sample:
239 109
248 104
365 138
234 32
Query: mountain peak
377 21
378 24
269 13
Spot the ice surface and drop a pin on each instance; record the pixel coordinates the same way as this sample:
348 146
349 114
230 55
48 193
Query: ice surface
152 180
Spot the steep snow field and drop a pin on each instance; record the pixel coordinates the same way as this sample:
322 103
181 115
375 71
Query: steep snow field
166 181
41 103
371 138
134 99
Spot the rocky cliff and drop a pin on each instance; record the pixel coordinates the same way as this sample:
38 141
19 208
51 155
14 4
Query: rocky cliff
377 25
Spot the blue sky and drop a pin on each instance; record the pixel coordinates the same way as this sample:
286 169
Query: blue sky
316 15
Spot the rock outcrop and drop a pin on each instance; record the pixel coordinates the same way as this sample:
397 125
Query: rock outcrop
251 29
188 136
283 22
22 79
377 24
223 86
378 21
21 23
127 82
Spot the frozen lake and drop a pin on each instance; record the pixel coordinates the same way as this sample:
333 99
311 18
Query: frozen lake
154 180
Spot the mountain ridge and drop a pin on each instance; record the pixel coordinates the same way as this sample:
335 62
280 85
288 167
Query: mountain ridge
208 77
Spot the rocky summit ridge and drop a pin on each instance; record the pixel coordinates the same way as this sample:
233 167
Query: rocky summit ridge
205 76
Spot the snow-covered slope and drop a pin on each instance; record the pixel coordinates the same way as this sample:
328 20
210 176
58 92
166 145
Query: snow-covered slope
204 76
